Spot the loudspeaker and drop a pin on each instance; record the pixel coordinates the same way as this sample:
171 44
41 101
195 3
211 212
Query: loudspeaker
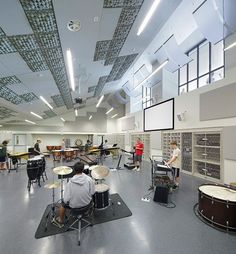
161 194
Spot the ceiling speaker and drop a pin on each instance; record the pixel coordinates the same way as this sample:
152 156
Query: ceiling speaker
74 25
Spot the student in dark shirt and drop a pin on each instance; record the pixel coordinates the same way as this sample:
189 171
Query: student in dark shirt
3 154
37 148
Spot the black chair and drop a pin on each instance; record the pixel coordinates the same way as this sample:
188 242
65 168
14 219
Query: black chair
79 214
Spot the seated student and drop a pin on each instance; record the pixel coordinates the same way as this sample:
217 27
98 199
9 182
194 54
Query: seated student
3 154
87 146
78 191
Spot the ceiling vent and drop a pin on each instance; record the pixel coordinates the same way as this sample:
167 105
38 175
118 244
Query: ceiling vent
74 25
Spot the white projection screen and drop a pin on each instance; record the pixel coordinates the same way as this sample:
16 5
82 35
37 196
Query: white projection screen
159 117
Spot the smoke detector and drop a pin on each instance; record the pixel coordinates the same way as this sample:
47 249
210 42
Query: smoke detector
74 25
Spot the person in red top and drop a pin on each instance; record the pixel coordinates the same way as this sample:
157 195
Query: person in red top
138 154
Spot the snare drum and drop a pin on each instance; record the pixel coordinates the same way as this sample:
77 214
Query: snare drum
217 205
101 196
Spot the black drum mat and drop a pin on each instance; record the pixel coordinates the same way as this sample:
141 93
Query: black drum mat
116 210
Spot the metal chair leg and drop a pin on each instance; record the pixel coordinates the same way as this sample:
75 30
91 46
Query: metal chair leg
79 230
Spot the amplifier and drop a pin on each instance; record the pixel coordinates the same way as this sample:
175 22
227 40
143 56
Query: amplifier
161 194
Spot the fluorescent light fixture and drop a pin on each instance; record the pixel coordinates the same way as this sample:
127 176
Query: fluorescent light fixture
76 112
90 117
63 120
100 100
29 121
70 69
114 116
148 16
230 46
34 114
152 74
44 100
109 111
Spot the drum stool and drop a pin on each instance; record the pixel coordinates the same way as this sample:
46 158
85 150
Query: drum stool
79 214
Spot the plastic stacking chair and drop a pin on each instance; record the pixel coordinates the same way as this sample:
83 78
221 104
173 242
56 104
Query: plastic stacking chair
79 214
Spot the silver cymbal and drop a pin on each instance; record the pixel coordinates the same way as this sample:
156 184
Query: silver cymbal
52 185
99 172
62 170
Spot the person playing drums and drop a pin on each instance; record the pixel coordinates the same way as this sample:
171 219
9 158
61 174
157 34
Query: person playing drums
78 191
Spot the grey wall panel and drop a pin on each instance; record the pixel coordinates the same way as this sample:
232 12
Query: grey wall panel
128 123
218 103
155 140
229 141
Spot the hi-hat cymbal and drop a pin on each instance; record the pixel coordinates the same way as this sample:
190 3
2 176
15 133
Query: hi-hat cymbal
52 185
99 172
62 170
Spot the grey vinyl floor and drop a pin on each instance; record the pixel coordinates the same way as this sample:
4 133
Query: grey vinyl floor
152 229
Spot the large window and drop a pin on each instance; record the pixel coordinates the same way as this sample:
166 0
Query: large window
207 66
146 97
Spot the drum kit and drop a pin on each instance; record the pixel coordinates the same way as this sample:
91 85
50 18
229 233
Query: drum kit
100 198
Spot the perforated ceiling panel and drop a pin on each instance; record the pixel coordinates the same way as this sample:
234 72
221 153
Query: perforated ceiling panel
9 80
1 32
100 85
108 51
45 52
28 97
9 95
58 101
48 114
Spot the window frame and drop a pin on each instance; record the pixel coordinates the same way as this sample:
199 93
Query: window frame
197 47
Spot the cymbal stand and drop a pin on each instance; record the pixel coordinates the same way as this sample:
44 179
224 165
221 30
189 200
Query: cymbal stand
51 216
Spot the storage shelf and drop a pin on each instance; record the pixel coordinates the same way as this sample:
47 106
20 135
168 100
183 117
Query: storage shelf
203 146
207 161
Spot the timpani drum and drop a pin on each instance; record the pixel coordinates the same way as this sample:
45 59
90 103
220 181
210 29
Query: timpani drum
217 205
101 196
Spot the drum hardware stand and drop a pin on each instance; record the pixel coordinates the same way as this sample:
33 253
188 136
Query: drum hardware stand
52 212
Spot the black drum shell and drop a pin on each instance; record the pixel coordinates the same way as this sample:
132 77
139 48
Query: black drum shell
220 213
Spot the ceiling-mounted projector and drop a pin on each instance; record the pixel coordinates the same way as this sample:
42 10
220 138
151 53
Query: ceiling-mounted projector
78 100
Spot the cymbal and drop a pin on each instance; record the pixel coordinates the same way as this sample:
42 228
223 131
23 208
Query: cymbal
99 172
62 170
52 185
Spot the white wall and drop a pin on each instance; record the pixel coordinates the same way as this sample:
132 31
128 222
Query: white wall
189 102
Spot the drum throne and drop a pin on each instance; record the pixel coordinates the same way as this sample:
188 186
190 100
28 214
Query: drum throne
79 214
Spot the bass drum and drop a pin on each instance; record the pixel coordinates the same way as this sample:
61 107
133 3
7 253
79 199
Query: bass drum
101 196
217 205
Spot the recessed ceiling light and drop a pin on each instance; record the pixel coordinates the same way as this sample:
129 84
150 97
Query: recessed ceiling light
32 113
230 46
90 117
76 112
109 111
0 125
70 69
148 16
63 120
28 121
114 116
100 100
45 101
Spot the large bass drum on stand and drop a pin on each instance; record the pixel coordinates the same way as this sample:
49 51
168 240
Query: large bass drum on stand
217 206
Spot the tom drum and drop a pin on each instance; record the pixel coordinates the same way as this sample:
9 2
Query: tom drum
101 196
